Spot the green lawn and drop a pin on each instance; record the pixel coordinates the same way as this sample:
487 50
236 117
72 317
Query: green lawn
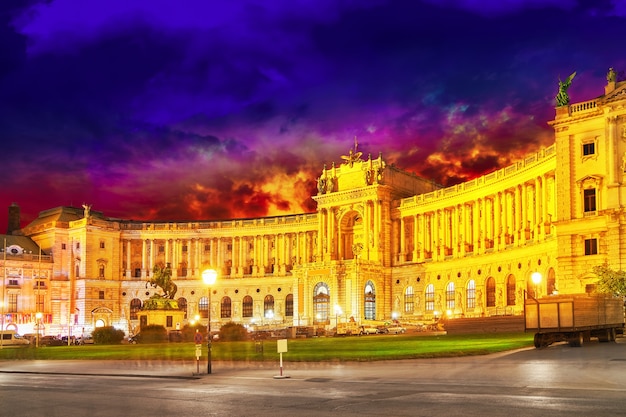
365 348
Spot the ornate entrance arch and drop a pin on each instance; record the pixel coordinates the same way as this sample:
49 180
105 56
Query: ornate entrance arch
352 233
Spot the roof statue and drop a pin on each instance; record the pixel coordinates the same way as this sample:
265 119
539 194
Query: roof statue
353 156
611 76
562 99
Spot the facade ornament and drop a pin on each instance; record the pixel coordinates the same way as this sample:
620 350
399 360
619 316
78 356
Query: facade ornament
611 76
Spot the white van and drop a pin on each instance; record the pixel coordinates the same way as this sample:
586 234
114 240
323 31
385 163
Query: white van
11 338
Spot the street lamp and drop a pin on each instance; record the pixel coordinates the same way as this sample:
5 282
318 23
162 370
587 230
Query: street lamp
338 313
209 276
38 316
536 278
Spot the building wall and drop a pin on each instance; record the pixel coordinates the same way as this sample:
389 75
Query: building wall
383 243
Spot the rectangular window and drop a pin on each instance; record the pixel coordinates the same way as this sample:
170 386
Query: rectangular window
101 295
589 148
589 198
169 321
12 303
77 245
101 245
161 249
63 246
184 248
591 246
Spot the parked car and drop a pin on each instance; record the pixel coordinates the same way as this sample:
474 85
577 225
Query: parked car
11 338
85 340
396 329
50 341
368 330
73 340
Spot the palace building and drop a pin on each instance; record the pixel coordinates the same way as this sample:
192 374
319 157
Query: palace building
383 244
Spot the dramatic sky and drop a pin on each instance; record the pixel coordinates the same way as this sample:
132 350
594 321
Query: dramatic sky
216 109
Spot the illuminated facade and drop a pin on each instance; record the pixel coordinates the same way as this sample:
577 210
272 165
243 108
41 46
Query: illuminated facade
383 243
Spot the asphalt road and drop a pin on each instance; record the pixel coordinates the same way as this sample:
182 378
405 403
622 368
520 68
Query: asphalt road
556 381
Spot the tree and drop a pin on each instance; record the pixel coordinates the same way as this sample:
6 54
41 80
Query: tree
610 281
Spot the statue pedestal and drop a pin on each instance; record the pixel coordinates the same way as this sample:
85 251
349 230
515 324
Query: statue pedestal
162 311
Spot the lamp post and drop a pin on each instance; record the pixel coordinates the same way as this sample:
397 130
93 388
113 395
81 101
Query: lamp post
38 316
536 278
338 313
209 276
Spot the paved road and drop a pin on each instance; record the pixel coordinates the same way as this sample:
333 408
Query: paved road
556 381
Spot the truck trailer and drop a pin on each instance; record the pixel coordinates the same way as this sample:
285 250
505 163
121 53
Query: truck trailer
574 318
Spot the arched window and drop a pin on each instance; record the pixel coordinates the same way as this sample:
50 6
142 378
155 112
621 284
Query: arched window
450 296
409 300
268 307
429 298
135 307
203 307
510 290
321 302
491 292
370 301
182 305
225 308
470 294
247 306
551 282
289 305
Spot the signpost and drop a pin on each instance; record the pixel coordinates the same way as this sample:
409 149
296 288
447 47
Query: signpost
197 338
282 348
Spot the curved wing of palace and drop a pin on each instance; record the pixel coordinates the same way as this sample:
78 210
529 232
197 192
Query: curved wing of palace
384 244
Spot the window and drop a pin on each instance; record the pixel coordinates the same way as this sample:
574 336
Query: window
470 295
321 301
207 247
101 244
77 245
589 148
370 301
12 303
63 246
450 296
510 291
100 295
203 307
247 306
409 300
225 308
169 321
430 298
589 200
591 246
182 305
161 249
137 272
135 307
268 307
184 248
491 292
101 271
13 282
289 305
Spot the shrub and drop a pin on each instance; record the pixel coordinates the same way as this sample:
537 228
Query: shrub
107 335
190 331
233 332
153 333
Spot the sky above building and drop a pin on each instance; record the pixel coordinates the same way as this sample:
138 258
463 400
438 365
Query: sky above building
170 110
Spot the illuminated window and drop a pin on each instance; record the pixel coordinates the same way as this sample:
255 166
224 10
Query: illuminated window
430 297
321 301
12 303
247 306
225 308
370 301
491 292
450 296
182 305
135 307
268 306
510 291
409 300
289 305
470 295
203 307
